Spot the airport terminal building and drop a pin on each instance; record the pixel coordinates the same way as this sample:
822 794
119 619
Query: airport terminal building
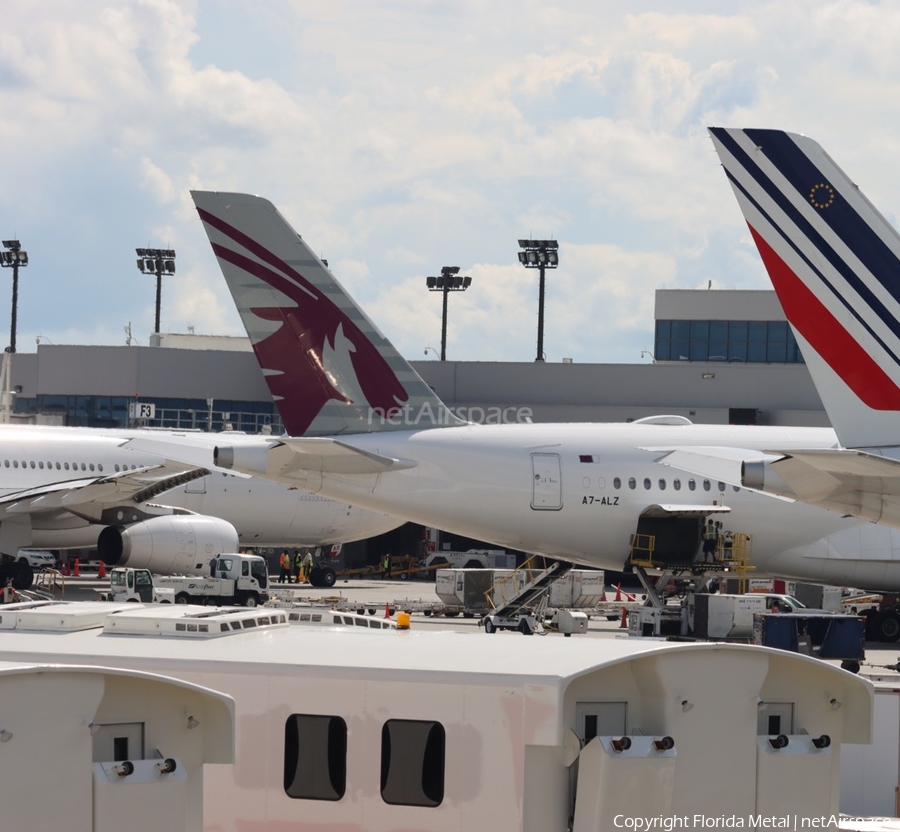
719 357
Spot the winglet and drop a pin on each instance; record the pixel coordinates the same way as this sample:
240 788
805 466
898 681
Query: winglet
328 367
835 264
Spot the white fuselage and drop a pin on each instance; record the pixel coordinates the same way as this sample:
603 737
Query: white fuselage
488 482
263 513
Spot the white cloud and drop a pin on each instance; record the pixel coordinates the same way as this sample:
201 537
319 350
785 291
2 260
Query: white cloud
402 136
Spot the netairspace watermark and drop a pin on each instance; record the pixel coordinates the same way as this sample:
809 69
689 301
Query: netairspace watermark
425 415
666 823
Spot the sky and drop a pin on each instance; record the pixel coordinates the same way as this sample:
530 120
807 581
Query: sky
401 136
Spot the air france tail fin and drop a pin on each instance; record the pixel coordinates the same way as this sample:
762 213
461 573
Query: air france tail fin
835 263
329 369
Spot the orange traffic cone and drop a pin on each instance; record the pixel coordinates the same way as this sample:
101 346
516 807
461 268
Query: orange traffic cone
101 570
77 570
619 591
387 610
623 624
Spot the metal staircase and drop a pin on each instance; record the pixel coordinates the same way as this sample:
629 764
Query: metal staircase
516 612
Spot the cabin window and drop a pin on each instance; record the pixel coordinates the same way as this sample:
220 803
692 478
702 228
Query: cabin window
721 486
632 484
15 463
676 484
706 485
692 485
315 757
412 762
617 483
646 483
662 484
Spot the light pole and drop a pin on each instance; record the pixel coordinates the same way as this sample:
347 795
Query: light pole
12 259
156 261
539 254
450 280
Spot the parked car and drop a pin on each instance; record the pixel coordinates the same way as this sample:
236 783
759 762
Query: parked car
37 558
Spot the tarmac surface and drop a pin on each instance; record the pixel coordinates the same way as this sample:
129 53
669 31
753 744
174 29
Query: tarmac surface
376 596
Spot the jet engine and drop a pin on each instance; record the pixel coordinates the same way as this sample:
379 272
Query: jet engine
250 459
171 544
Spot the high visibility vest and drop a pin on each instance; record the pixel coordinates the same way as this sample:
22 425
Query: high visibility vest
285 561
709 533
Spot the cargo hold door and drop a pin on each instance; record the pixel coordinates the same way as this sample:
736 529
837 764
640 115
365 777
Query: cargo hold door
546 488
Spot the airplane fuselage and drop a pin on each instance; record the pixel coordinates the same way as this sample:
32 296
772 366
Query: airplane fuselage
262 512
577 491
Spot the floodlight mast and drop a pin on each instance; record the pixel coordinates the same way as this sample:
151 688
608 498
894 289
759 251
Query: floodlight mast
539 254
155 261
12 258
449 281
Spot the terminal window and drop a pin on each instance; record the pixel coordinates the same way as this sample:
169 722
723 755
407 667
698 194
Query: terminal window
765 342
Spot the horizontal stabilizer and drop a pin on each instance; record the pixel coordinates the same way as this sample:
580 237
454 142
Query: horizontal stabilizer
330 456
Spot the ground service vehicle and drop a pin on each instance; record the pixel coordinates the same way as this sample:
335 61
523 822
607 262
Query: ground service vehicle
128 584
233 579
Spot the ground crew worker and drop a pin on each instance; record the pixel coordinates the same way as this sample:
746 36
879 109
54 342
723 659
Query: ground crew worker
710 535
285 563
307 564
298 566
386 566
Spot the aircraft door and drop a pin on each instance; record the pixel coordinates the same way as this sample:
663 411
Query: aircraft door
546 487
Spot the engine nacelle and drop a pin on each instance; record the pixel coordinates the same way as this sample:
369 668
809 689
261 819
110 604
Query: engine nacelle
172 544
247 459
760 476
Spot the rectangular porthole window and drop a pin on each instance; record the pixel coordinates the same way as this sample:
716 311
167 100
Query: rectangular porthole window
315 757
412 762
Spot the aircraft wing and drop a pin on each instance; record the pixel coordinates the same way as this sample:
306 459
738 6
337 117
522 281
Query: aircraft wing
853 482
715 463
88 497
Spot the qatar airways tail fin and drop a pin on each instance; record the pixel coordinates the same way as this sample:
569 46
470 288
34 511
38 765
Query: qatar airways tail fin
329 369
835 263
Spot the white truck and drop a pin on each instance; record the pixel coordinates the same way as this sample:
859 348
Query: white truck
233 579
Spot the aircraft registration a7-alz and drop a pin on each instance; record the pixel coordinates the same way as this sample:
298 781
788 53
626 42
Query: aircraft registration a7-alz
365 428
63 488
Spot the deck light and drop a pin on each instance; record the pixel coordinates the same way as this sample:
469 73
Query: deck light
622 744
664 744
778 742
822 742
